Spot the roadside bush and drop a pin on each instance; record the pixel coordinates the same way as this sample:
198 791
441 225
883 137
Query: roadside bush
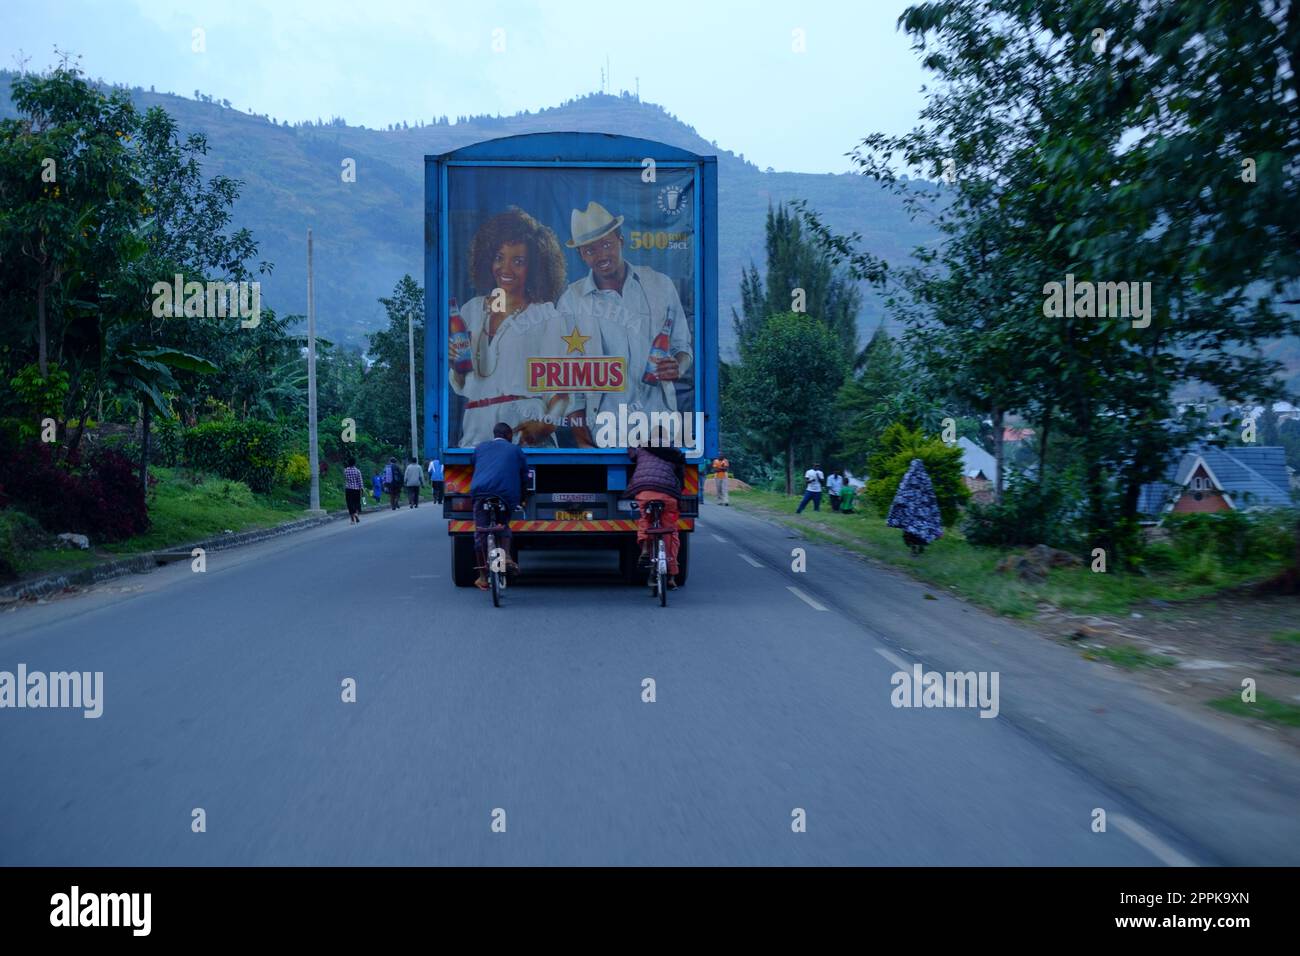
38 397
1028 514
1204 569
1236 539
247 451
166 443
125 445
117 481
1160 558
898 446
297 470
18 533
47 490
101 499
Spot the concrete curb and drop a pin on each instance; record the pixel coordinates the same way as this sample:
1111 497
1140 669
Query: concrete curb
150 561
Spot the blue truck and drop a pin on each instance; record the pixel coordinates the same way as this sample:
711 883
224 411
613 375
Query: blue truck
571 289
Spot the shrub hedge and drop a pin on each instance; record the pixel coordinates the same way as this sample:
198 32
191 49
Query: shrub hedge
247 451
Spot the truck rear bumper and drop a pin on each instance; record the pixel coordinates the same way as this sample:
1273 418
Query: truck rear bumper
584 529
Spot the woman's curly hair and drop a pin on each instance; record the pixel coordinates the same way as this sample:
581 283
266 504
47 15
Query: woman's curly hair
546 269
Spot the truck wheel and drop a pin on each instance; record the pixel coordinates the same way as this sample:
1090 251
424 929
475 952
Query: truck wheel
627 560
463 574
683 557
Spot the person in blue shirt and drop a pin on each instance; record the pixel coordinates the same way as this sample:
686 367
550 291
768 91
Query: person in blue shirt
394 477
377 486
500 471
436 479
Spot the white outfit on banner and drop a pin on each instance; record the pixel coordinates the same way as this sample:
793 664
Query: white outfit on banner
497 389
628 323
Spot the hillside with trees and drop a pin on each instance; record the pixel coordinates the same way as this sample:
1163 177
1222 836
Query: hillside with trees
369 233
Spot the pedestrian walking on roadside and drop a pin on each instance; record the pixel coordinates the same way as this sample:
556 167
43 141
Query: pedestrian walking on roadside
377 487
352 490
435 480
915 509
720 468
393 482
813 479
413 480
834 484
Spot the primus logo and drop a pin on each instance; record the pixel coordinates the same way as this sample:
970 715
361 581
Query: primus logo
606 374
209 300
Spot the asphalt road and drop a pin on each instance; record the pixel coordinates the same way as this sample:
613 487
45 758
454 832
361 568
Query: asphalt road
223 691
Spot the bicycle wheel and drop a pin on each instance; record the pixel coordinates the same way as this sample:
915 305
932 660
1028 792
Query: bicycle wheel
661 566
491 569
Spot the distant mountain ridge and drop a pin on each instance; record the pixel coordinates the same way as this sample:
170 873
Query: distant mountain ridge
367 234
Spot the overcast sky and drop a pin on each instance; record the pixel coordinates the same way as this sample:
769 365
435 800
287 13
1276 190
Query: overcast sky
727 68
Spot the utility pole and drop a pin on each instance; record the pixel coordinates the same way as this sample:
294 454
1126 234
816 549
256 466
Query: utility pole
410 347
313 450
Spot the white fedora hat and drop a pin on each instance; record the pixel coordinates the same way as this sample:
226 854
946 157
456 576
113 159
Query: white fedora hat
588 225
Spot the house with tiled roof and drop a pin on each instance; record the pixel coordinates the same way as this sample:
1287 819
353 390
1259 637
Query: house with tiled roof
1210 479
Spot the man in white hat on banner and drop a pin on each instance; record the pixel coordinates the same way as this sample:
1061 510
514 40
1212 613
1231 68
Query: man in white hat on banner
632 306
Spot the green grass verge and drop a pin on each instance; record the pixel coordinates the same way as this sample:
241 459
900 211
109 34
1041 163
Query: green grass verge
1130 657
1287 637
1264 708
187 506
970 571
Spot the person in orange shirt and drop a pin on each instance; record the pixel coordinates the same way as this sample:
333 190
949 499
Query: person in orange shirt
720 468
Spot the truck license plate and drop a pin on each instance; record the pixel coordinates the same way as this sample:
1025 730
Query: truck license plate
570 516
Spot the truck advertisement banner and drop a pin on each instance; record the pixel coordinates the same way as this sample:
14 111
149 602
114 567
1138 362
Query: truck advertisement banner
571 313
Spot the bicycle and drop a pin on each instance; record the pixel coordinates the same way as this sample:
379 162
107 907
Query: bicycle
495 559
658 582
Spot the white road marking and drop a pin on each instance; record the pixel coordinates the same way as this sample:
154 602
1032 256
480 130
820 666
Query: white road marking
902 665
718 537
894 659
805 598
1149 841
750 560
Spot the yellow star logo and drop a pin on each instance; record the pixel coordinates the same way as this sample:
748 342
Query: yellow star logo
576 341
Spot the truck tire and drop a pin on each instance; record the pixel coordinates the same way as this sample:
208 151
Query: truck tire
683 558
627 559
463 573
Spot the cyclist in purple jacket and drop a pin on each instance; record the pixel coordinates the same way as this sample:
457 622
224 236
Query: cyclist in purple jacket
658 472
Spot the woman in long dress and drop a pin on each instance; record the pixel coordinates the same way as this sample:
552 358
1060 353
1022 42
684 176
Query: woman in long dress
520 262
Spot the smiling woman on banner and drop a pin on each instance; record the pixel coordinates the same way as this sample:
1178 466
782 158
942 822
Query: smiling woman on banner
521 262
